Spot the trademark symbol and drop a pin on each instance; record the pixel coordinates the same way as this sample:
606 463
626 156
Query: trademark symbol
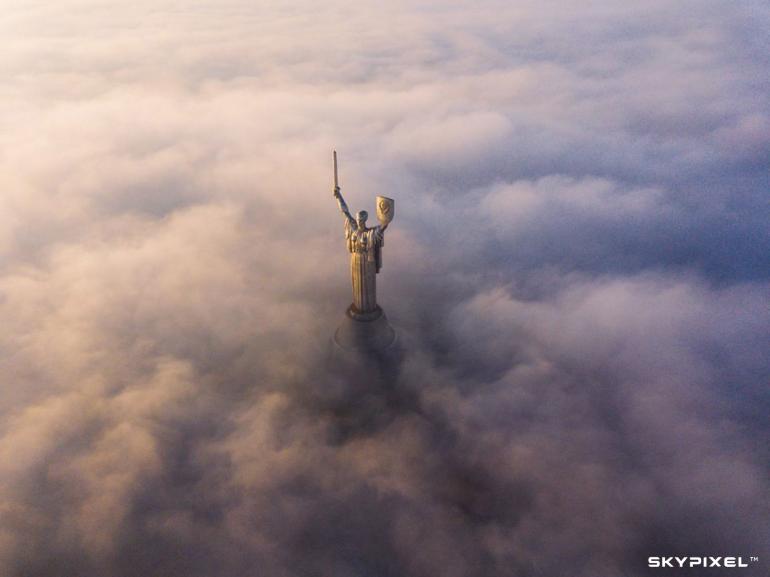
754 559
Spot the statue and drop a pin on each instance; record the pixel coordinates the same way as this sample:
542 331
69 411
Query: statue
365 247
366 327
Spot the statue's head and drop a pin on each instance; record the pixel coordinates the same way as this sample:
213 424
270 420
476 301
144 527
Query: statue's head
361 217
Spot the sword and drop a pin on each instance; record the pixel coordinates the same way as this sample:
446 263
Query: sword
336 181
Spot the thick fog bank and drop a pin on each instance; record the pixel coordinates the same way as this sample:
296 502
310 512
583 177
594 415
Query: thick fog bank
577 270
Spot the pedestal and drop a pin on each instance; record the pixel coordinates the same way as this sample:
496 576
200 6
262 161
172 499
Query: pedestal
364 332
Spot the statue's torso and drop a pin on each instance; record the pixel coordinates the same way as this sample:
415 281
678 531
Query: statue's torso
360 240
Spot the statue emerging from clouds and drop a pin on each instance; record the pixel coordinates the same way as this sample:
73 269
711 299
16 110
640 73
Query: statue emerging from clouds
366 327
365 247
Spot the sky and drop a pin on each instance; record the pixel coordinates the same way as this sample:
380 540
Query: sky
578 273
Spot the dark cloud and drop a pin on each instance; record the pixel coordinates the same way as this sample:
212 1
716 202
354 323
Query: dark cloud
578 272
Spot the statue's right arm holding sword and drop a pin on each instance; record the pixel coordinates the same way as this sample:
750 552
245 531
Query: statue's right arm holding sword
338 195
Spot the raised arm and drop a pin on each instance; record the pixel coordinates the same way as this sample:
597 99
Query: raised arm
343 207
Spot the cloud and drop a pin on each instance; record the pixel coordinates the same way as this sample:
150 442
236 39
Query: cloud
577 271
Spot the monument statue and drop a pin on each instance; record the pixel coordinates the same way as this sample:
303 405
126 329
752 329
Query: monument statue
365 244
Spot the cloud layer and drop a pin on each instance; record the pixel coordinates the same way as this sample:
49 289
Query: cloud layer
577 270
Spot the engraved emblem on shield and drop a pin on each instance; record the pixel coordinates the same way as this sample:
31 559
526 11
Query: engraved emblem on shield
386 207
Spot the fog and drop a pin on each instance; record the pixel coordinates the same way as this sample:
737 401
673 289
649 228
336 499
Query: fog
577 272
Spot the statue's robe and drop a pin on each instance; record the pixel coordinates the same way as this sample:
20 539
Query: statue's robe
365 247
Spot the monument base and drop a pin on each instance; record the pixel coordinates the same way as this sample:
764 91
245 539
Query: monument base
364 332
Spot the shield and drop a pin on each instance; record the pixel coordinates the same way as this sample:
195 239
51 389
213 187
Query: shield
386 208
